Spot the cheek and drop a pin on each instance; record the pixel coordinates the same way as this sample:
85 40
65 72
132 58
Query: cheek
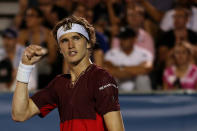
185 57
62 49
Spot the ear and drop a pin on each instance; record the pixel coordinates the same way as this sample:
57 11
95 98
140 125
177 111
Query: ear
88 45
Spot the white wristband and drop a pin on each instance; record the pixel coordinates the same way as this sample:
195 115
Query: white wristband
24 72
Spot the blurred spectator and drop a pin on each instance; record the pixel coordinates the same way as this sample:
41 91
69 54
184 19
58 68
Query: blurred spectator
167 21
130 64
65 4
101 10
89 3
79 10
5 71
51 12
102 39
179 33
151 15
152 11
170 38
101 45
135 20
13 53
18 21
36 33
182 74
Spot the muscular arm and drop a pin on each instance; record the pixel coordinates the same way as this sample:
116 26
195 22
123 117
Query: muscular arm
22 106
113 121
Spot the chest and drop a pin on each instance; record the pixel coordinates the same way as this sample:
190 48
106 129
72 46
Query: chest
76 101
187 77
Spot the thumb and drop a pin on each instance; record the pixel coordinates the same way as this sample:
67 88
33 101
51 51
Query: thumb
41 52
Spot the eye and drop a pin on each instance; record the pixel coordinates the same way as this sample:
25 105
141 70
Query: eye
64 41
76 37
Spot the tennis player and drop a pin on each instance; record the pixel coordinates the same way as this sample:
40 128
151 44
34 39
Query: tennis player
87 98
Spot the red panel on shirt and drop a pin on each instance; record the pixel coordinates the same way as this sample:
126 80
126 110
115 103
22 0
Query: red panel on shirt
83 125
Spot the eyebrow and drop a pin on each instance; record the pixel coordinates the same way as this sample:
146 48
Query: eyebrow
79 35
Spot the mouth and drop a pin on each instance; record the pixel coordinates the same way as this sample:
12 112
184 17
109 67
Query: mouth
72 53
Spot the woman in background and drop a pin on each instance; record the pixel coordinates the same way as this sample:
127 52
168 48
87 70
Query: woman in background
182 74
36 33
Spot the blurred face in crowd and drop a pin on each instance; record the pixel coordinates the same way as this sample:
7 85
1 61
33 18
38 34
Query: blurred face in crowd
181 55
45 6
127 44
135 18
185 3
194 2
180 19
32 18
9 43
79 11
89 16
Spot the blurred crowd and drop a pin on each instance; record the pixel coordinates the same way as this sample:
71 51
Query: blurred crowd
145 44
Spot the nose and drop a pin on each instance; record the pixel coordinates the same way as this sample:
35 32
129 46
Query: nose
71 44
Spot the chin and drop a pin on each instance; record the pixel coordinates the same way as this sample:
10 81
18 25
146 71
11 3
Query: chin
74 62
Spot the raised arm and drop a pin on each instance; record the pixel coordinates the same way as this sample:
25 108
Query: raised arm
23 107
152 11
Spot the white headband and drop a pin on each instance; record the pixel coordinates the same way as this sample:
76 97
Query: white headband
75 28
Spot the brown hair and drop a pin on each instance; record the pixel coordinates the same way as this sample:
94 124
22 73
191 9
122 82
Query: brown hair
186 45
190 50
186 11
67 22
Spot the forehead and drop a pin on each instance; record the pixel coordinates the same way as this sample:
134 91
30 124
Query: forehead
31 11
68 35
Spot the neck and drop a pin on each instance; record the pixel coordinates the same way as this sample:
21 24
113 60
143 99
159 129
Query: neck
77 69
128 51
182 67
180 29
35 28
135 28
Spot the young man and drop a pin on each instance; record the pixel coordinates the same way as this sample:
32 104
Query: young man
87 98
130 64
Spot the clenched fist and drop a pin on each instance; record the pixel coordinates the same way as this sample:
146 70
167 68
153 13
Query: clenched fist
33 54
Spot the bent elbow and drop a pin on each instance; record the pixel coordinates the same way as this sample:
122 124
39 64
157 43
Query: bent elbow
17 118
